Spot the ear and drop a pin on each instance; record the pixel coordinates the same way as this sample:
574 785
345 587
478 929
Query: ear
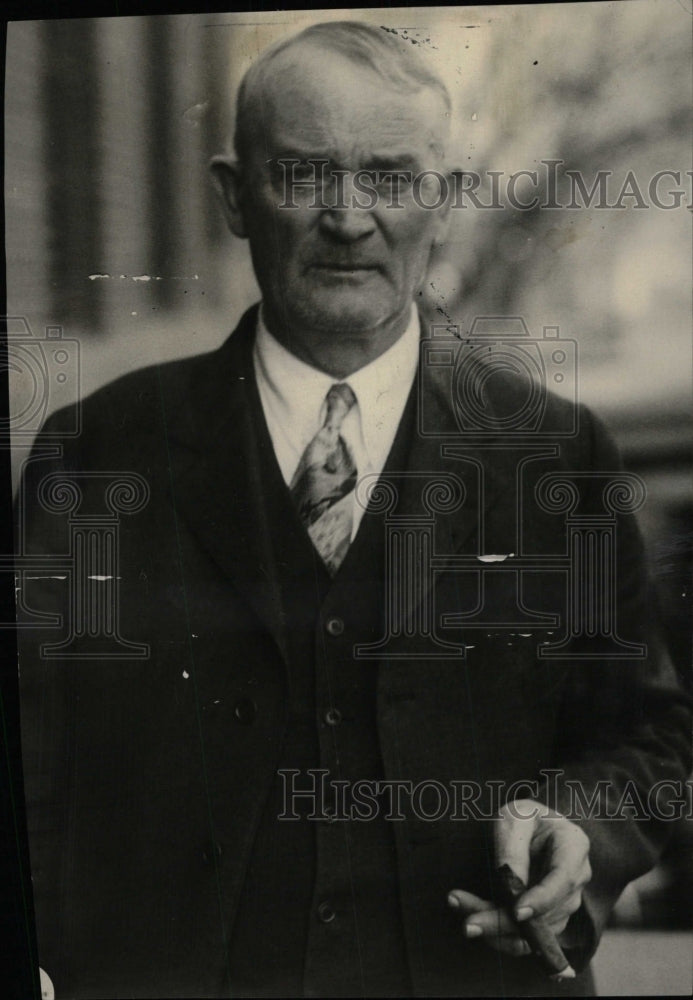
442 221
228 181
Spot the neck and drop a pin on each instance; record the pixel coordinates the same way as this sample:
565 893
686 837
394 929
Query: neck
339 353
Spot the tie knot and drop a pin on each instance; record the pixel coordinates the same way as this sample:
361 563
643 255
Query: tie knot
340 399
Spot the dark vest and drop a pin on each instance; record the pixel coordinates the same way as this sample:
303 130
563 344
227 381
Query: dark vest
319 914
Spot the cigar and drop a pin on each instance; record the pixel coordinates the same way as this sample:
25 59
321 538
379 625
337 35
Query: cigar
535 931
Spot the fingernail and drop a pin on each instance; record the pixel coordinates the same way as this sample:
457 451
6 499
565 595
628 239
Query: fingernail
473 930
453 900
567 973
524 913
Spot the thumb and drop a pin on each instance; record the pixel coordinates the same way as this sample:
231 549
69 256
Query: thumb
512 834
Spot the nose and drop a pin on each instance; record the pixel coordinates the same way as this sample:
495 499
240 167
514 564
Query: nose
346 221
347 224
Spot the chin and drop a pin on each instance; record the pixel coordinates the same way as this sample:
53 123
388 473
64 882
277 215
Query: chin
346 313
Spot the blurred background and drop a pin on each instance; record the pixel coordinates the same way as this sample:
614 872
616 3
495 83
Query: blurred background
116 244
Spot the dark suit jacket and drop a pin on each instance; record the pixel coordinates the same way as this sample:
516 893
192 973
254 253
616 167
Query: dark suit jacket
145 777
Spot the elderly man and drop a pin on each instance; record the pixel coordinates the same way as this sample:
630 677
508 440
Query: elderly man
194 819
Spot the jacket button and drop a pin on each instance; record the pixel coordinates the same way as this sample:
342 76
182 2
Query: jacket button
335 626
326 913
244 711
211 851
333 717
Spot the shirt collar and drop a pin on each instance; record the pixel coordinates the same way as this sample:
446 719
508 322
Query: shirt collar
295 390
298 390
382 387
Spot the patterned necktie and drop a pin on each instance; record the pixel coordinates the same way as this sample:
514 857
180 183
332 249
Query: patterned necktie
323 483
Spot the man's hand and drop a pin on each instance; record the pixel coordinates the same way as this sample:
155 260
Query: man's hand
543 848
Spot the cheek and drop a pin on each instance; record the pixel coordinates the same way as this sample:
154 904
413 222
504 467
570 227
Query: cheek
412 238
276 236
291 230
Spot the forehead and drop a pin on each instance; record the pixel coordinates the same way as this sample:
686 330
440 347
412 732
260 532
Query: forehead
322 101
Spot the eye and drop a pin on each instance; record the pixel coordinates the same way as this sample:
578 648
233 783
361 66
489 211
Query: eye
296 171
393 179
305 171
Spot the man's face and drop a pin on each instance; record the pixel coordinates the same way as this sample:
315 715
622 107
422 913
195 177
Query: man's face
339 269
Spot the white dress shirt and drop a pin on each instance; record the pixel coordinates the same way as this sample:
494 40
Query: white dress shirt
293 400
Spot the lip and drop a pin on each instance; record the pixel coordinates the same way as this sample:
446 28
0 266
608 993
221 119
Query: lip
345 270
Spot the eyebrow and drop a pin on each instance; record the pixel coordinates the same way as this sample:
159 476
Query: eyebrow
393 161
302 155
375 161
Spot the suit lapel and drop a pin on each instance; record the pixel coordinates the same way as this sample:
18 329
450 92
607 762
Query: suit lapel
216 460
443 462
440 452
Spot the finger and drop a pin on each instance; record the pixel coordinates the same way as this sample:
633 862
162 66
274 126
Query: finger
565 909
483 918
491 923
571 905
512 833
546 896
568 872
558 926
564 880
558 919
467 902
510 945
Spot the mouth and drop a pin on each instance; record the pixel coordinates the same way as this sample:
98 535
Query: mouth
345 272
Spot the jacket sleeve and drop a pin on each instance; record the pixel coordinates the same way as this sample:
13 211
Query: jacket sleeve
624 744
44 691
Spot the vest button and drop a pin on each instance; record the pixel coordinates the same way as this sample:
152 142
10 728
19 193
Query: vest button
333 717
326 913
244 711
335 626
